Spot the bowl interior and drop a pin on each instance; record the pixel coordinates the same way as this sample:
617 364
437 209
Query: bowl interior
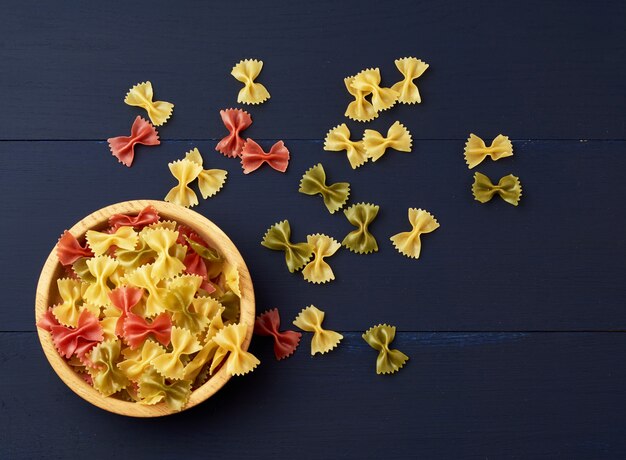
47 295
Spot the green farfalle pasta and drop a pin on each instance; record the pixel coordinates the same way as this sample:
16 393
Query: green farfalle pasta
314 183
361 216
379 338
278 238
107 377
509 188
153 389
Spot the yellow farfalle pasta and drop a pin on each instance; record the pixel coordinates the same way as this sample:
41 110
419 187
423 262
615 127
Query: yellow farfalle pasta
71 292
476 150
182 291
109 324
141 95
360 109
411 68
135 363
318 270
379 338
185 171
231 339
158 296
361 216
310 319
106 376
169 364
231 277
163 242
278 238
398 138
124 238
368 81
210 181
409 243
509 188
153 389
338 139
313 182
101 268
246 72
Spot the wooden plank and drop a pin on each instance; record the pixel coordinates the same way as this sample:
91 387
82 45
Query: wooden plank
495 395
553 263
527 68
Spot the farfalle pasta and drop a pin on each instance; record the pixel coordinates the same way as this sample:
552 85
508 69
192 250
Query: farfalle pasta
141 95
368 82
335 195
398 138
476 150
246 71
410 68
338 139
134 322
379 338
253 156
318 270
310 320
410 243
360 109
361 216
123 147
278 238
210 181
509 188
235 121
285 342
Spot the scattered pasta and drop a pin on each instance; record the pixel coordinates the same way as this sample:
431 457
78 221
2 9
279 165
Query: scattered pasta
360 109
235 121
476 150
379 338
338 139
318 270
285 342
310 320
361 216
509 188
123 147
409 243
313 182
368 82
278 238
410 68
398 138
141 95
253 156
247 71
210 181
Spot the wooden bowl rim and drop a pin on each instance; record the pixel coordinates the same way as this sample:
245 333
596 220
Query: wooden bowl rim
98 219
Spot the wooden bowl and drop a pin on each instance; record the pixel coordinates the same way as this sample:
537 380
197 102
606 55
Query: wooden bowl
47 295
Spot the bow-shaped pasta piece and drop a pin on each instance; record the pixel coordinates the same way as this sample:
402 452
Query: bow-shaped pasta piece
134 366
79 340
158 296
398 138
196 365
318 271
185 172
124 299
338 139
69 250
246 72
123 237
147 216
169 365
163 242
107 377
313 182
210 181
230 339
182 292
102 268
285 342
509 188
310 319
123 147
47 320
476 150
368 81
236 121
278 238
411 68
253 156
231 278
361 216
71 292
153 389
379 338
409 243
137 329
141 95
360 109
136 257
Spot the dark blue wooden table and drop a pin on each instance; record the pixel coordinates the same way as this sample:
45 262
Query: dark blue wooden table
512 317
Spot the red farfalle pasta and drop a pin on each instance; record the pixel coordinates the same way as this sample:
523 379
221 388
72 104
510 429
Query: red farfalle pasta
235 120
69 250
148 215
194 263
137 329
123 147
253 156
285 342
124 299
79 340
47 320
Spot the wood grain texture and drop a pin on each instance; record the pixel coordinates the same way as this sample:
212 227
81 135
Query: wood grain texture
532 68
461 396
